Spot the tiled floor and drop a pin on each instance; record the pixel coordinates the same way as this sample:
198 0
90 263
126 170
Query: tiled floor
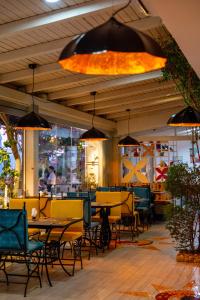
128 272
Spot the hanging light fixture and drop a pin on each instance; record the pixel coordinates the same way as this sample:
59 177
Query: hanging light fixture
111 49
188 117
128 141
32 120
93 134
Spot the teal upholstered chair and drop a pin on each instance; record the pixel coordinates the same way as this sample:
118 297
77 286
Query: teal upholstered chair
144 207
15 246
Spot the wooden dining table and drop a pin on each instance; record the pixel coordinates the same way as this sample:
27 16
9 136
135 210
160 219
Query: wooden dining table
48 224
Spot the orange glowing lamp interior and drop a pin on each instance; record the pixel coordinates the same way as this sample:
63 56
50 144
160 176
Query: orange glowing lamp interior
92 139
185 124
32 128
113 63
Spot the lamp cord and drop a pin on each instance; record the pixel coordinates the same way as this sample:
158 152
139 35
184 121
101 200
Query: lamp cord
33 85
93 94
125 6
128 121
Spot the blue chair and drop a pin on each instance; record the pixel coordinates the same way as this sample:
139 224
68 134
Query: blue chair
144 207
15 246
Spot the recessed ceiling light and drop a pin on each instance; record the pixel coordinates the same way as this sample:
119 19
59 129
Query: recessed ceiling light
52 1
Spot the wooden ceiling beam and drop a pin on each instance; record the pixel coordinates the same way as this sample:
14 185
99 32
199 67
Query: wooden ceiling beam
132 99
59 44
54 110
117 93
27 73
132 106
63 14
85 90
62 83
149 109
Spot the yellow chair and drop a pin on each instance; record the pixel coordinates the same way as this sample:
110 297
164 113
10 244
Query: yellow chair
128 209
115 212
63 209
18 203
45 207
69 209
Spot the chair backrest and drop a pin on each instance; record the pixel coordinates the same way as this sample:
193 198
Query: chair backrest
145 194
68 209
13 230
128 206
45 207
110 197
103 189
18 203
142 192
86 208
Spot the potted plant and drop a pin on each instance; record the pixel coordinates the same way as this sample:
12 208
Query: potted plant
183 221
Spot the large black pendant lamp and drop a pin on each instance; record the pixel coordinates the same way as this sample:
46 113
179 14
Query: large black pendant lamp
188 117
128 141
93 134
32 120
111 49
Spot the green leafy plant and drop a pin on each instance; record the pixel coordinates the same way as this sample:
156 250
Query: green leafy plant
8 174
183 221
179 70
12 145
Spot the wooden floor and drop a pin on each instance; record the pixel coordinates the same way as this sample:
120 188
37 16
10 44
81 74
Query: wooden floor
128 272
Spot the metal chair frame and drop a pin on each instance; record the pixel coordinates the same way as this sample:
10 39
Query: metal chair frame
20 253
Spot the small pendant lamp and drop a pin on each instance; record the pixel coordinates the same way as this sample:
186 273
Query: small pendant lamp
112 49
128 141
188 117
32 120
93 134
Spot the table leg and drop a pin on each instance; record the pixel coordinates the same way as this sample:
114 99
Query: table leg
105 228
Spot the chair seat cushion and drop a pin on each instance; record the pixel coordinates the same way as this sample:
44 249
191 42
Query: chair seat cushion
113 219
33 231
96 219
34 246
144 208
68 236
94 224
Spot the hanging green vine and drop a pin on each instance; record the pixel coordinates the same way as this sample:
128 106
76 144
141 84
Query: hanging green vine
179 70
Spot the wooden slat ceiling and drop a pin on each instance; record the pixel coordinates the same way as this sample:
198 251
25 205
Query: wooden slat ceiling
42 44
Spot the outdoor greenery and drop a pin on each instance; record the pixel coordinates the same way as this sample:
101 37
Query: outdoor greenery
11 145
8 175
179 70
183 221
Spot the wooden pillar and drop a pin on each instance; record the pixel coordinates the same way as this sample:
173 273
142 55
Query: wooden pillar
111 168
31 162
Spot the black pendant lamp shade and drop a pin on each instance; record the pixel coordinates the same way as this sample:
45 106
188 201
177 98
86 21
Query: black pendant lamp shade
111 49
185 118
93 134
128 141
32 120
